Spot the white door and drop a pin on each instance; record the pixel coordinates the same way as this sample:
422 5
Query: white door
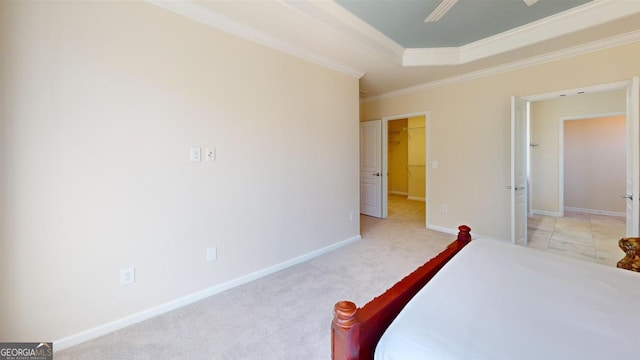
371 168
518 171
633 154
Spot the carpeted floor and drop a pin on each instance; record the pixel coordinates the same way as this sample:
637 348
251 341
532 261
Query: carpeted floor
286 315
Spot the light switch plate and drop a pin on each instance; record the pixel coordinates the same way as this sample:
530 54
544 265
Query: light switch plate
212 254
195 154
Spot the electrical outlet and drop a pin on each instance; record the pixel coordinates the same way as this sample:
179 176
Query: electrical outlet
444 208
210 154
127 276
352 215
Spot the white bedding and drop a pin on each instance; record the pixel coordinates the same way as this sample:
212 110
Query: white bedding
500 301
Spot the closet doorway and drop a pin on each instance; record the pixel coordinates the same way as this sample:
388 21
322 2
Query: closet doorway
406 146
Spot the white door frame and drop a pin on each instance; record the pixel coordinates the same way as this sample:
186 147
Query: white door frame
385 159
561 150
632 116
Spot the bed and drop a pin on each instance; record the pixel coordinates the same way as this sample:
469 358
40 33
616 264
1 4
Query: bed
487 299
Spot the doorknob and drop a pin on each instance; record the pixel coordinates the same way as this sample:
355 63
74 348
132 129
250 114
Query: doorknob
376 174
630 197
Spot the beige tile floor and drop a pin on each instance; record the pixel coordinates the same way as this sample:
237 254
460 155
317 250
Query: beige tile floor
588 237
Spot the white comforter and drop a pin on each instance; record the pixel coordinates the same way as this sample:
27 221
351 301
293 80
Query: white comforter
500 301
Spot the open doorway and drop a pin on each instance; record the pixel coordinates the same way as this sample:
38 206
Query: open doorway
577 172
406 169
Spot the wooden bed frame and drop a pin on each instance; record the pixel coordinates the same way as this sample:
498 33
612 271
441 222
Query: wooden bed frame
356 331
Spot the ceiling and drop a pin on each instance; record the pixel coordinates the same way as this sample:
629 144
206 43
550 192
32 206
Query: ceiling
390 48
467 20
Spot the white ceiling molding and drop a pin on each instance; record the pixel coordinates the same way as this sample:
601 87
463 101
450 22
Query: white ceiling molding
431 57
579 18
197 12
343 21
619 40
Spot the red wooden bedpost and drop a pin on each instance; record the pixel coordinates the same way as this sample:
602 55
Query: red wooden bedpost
464 233
344 336
356 331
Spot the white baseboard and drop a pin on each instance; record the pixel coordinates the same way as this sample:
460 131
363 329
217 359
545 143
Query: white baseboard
442 229
597 212
112 326
416 198
398 193
546 213
454 232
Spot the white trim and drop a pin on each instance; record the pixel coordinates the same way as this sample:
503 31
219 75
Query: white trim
403 193
579 18
343 21
454 232
619 40
332 15
432 57
445 230
618 85
112 326
416 198
200 13
597 212
546 213
576 19
593 116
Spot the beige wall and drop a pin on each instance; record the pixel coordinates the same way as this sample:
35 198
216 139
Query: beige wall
417 153
546 119
595 164
102 101
470 132
398 157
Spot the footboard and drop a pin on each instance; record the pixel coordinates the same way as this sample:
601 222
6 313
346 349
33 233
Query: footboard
356 331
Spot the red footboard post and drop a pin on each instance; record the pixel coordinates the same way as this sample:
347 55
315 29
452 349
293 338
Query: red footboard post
344 331
356 331
464 233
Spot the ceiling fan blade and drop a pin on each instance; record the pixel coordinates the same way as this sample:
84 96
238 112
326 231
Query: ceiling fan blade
442 9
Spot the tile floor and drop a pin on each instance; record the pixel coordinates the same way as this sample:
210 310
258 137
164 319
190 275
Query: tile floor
589 237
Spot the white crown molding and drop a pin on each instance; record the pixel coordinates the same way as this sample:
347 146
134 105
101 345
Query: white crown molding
579 18
345 23
197 12
619 40
431 57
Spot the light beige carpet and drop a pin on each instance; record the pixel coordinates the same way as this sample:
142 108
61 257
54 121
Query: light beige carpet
286 315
